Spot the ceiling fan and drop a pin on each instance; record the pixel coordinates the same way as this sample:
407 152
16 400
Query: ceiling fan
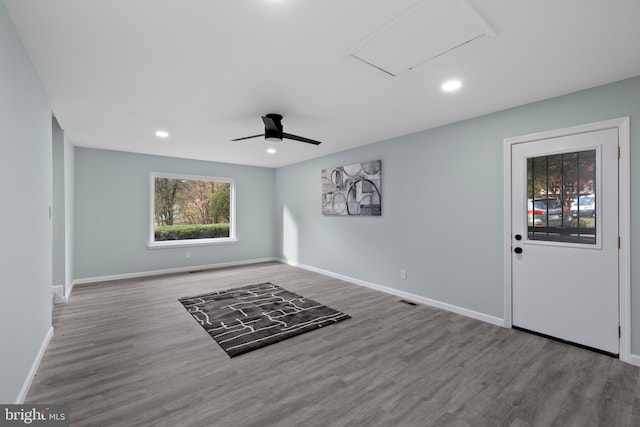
273 131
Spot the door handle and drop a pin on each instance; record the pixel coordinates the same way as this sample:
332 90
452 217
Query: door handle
518 250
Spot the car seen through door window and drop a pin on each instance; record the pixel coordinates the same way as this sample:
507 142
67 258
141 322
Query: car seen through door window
585 206
546 212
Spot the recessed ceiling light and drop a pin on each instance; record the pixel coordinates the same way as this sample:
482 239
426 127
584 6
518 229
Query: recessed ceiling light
162 134
451 85
271 150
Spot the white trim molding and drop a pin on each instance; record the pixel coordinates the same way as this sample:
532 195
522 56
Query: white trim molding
624 231
167 271
634 359
58 295
22 395
624 221
404 295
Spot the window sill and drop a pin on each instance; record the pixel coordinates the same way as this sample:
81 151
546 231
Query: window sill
190 243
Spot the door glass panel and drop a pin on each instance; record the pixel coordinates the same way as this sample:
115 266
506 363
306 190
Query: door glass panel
561 197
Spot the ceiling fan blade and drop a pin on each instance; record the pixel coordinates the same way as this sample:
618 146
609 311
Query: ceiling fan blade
248 137
300 138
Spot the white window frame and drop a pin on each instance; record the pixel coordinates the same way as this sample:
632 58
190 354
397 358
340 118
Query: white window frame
152 244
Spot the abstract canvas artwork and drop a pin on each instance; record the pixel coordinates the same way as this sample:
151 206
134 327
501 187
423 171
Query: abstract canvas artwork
353 189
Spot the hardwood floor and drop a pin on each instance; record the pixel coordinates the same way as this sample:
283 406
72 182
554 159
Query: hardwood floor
127 353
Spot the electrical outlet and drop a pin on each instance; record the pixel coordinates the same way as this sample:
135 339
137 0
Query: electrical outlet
188 254
403 274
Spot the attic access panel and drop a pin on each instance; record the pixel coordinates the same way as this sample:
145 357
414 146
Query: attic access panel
426 31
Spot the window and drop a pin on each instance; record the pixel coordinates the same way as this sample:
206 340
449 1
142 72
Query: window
561 197
191 210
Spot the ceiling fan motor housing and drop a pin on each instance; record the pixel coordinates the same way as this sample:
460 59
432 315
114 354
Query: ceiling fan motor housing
272 127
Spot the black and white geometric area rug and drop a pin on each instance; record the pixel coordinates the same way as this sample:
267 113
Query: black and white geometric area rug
245 319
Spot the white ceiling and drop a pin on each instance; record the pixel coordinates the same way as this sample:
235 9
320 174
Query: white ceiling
206 70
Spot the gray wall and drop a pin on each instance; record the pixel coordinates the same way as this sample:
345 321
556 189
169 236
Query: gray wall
442 215
26 173
112 214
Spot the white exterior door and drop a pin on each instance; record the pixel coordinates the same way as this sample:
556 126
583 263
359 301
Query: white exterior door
565 245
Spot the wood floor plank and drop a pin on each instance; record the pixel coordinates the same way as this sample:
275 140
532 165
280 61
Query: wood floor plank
127 353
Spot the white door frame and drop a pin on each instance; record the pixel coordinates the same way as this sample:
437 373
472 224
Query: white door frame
624 219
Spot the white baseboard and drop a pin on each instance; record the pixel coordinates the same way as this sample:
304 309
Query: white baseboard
404 295
633 359
67 293
34 368
167 271
58 295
